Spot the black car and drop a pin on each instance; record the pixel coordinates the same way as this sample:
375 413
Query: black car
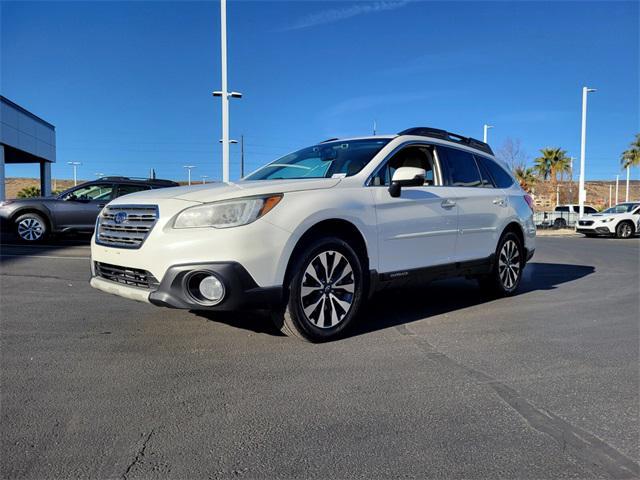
74 210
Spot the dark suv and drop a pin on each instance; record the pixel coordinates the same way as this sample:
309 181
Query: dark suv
74 210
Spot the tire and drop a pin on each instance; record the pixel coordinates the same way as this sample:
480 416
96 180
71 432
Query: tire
559 223
31 228
506 273
625 230
320 307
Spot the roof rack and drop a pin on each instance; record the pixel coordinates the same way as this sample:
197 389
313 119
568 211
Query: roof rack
329 140
158 181
451 137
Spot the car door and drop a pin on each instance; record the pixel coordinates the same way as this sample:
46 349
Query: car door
79 208
417 229
481 206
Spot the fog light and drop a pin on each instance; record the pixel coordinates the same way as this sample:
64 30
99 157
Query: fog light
211 288
204 287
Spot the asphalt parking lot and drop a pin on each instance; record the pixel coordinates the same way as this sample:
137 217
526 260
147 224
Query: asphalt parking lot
436 382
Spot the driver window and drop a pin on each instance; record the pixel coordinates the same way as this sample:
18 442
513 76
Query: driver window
413 156
91 192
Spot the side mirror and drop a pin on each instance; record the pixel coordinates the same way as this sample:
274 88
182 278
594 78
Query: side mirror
406 177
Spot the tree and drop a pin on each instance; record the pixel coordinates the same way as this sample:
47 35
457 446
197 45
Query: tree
29 192
526 177
631 157
512 154
552 163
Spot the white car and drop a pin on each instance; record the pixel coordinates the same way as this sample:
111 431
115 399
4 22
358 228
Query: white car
313 234
622 220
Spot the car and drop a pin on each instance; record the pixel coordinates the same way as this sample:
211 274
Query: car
565 215
311 236
74 210
622 221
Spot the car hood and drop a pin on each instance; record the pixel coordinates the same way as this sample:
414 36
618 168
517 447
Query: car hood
606 215
221 191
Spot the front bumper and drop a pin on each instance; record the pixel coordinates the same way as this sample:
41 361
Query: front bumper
241 290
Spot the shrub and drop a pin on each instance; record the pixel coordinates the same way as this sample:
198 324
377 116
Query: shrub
29 192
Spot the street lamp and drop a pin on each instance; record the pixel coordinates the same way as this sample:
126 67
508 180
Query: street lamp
204 178
582 194
486 129
189 168
99 174
626 196
224 94
75 166
617 180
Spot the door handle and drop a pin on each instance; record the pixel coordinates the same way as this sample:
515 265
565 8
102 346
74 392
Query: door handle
499 201
448 203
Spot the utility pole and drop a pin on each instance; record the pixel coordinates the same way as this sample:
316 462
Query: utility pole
617 180
486 129
582 193
224 93
189 168
626 197
75 166
241 156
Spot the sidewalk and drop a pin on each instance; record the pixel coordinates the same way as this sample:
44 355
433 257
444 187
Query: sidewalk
561 232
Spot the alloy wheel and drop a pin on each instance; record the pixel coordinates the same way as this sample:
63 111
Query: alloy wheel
625 230
30 229
328 289
509 264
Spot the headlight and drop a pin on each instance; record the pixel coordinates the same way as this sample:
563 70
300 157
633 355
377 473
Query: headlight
607 220
226 214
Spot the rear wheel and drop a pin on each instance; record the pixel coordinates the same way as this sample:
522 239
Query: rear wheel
31 228
624 230
325 291
506 274
560 223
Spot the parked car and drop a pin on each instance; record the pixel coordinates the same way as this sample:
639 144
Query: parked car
74 210
622 220
312 235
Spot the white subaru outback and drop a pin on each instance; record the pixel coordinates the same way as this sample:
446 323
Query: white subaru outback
312 235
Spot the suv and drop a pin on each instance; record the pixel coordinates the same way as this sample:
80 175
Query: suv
74 210
567 214
622 221
313 234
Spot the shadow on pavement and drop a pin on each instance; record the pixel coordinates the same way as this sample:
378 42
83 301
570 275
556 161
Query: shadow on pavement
398 306
11 249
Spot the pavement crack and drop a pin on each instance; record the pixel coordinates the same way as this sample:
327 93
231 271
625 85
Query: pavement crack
139 455
593 452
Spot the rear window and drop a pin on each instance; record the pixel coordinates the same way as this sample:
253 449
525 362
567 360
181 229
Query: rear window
562 209
501 178
461 168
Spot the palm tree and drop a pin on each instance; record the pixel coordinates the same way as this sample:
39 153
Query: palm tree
631 157
553 162
526 177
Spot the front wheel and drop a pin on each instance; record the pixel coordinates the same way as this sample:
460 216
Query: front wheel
31 228
624 230
509 263
325 291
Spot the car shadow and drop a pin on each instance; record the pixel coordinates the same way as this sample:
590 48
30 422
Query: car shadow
398 306
12 249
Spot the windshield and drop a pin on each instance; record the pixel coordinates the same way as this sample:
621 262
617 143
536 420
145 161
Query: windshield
326 160
623 208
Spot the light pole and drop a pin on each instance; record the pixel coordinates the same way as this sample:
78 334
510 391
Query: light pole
486 129
626 196
99 174
610 188
582 194
617 180
189 168
241 156
204 178
230 142
224 94
75 166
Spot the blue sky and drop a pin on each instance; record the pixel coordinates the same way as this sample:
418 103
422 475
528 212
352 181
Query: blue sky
128 84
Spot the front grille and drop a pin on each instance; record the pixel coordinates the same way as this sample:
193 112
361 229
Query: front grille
128 276
585 223
125 226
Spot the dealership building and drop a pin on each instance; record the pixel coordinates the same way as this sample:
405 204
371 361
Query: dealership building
25 138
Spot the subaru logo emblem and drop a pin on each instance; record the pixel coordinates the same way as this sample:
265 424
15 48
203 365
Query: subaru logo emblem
120 217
